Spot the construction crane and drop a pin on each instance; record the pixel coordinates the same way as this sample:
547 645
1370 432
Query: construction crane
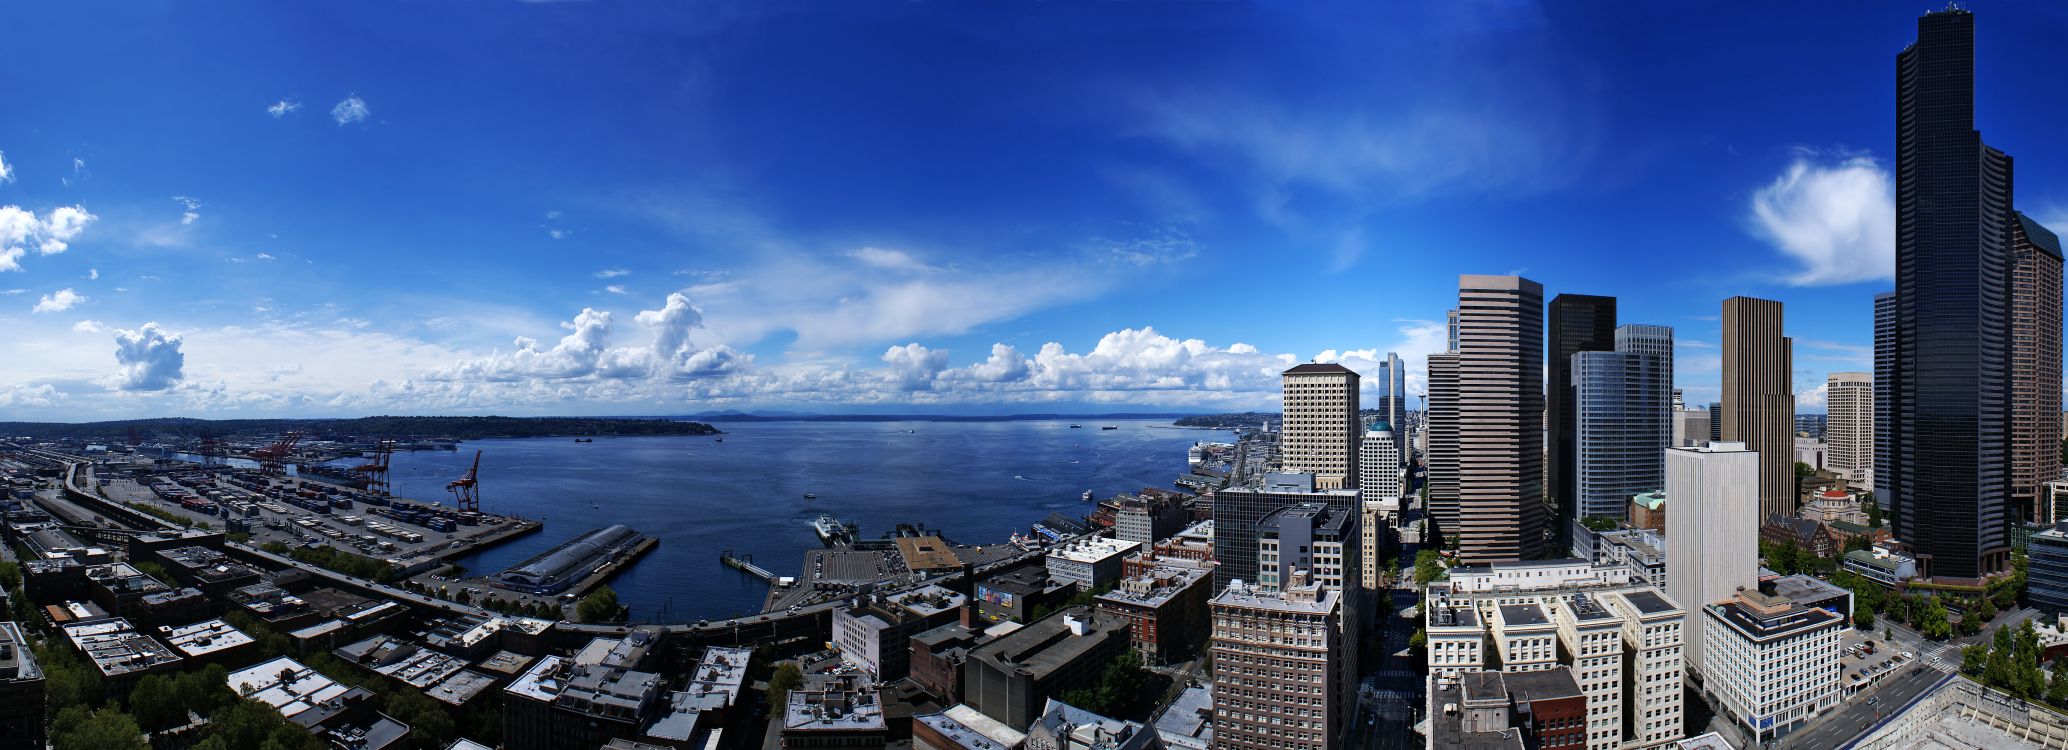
273 458
375 470
466 490
212 450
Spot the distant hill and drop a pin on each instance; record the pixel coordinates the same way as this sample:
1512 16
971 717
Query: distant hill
735 416
1244 420
457 428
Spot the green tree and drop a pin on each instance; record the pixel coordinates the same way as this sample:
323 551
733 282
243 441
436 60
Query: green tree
10 575
788 676
2057 688
1804 471
600 605
105 729
156 703
1873 510
1863 618
1973 660
1429 567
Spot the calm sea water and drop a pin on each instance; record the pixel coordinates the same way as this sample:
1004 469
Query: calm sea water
978 482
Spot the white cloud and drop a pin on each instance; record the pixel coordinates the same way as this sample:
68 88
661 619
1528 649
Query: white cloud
93 274
1813 398
59 301
21 229
284 108
352 109
612 273
6 172
88 326
558 234
890 260
192 214
12 292
1835 217
615 289
914 367
264 256
29 395
151 359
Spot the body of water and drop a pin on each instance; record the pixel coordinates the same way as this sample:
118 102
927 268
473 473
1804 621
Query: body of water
977 482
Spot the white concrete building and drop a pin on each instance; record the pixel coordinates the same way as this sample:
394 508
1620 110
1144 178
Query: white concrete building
1089 562
1623 641
1849 424
1772 663
1381 473
1713 536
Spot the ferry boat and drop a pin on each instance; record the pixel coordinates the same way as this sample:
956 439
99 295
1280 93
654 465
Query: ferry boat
1076 426
1109 427
832 531
809 496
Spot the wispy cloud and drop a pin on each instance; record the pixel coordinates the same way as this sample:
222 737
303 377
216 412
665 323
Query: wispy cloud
351 110
283 108
612 273
6 172
1833 214
615 289
193 209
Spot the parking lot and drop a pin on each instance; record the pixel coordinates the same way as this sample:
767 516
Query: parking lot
1862 669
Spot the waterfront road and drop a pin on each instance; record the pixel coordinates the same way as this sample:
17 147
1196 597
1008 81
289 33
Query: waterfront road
1857 714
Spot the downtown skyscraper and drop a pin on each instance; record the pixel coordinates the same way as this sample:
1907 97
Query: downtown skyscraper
1500 418
1320 429
1950 379
1391 384
1622 409
1579 323
2035 367
1759 396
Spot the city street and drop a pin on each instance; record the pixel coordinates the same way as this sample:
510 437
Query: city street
1390 696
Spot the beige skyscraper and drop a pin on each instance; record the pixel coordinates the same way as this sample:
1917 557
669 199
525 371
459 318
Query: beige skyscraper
1500 418
1759 396
1320 429
1849 423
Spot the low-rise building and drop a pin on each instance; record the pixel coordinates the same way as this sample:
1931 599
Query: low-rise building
21 692
1542 710
1166 610
1648 511
1010 677
875 632
937 659
1641 550
1066 727
210 642
340 715
1091 563
1772 663
121 654
703 710
600 693
840 712
963 728
209 570
1145 519
2046 585
1014 596
1886 567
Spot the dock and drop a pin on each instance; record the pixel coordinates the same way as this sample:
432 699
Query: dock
746 564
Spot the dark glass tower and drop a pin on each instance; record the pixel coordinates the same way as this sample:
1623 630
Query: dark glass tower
1949 413
1579 323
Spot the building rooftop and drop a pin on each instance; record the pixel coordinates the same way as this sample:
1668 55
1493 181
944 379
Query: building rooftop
842 704
1650 500
288 686
17 662
464 685
1093 549
117 649
1318 368
923 553
1649 602
1238 594
1050 642
1549 684
1522 614
1326 521
1586 609
1155 587
505 663
1761 617
204 638
1189 721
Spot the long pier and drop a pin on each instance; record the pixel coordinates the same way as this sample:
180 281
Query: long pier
746 564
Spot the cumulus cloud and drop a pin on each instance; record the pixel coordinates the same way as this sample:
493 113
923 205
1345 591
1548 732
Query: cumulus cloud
150 358
914 367
50 234
352 109
284 108
1835 217
29 395
58 301
1813 398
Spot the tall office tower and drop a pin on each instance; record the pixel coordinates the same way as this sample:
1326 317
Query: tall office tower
1320 429
1690 427
1238 509
1712 534
1621 423
1849 423
1579 323
1949 422
1380 473
1715 420
1500 419
1759 396
1392 387
1283 676
1884 399
2035 366
1440 424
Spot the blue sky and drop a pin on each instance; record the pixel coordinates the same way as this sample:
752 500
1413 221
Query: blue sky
557 208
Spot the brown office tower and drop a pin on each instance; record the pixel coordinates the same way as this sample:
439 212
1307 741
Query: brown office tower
1500 419
1441 453
1759 396
1320 429
2035 367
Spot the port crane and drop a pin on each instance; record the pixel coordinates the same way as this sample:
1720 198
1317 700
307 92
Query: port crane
273 458
212 450
375 470
466 490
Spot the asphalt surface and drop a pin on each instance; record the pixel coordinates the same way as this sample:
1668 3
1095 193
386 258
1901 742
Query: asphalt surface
1855 716
1391 693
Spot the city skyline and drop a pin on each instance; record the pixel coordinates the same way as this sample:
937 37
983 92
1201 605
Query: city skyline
610 212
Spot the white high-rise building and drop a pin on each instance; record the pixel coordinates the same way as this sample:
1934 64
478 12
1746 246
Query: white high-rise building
1541 615
1712 534
1849 424
1379 468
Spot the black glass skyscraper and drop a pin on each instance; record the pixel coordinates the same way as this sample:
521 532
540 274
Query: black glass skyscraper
1579 323
1949 415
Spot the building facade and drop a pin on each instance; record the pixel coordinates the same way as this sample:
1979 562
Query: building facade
1237 511
2046 582
2035 367
1319 432
1772 663
1621 425
1849 424
1759 396
1391 386
1379 466
1950 379
1501 513
1313 538
1578 323
1712 543
1283 672
1440 425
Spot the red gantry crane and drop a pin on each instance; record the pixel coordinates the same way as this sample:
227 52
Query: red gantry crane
376 468
273 458
212 450
466 490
